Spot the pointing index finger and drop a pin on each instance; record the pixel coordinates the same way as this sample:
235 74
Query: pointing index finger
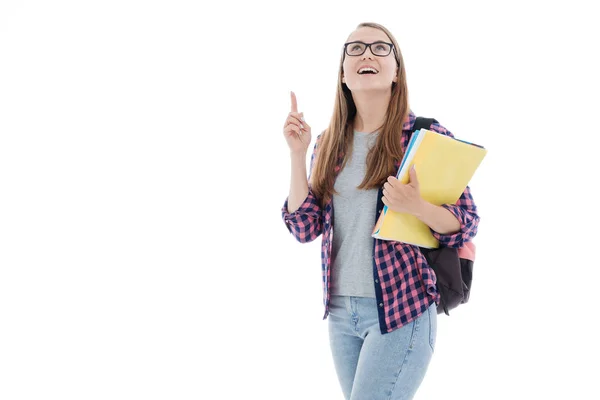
294 102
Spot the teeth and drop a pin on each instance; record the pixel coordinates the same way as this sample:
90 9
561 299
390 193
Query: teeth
367 69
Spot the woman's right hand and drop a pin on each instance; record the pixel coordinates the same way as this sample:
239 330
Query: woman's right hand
296 131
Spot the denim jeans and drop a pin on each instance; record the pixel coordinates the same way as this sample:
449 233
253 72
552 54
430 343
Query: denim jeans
372 366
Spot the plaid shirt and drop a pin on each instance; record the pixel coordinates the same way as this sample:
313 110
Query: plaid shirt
405 285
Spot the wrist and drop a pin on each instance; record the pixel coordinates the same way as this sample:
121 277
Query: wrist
298 154
422 209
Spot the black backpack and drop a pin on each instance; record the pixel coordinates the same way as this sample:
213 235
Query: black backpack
453 267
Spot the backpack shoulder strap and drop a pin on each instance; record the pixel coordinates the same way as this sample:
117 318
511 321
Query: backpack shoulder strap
423 123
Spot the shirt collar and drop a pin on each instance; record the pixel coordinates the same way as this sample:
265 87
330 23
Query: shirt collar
409 122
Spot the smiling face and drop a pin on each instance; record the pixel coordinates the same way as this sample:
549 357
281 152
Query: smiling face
368 71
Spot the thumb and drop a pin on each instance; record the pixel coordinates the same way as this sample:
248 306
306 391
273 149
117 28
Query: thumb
413 176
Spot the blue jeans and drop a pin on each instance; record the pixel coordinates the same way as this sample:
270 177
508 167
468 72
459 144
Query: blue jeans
372 366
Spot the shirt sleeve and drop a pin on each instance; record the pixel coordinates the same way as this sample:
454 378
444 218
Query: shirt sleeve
464 210
306 223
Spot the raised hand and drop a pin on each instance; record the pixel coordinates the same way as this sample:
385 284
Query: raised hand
296 131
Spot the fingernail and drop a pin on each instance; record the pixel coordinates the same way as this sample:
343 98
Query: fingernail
301 126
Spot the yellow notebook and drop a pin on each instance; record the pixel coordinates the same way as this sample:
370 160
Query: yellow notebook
444 167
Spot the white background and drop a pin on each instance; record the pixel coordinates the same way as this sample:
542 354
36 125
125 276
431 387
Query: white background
143 169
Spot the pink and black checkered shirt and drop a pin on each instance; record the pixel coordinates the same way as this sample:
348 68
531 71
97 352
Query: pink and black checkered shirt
405 285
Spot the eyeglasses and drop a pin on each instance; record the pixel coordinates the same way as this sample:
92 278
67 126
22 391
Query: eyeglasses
380 49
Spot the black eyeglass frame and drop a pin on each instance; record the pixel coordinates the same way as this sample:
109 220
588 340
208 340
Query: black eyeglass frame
368 45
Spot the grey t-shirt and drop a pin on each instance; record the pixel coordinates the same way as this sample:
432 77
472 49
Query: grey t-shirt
354 219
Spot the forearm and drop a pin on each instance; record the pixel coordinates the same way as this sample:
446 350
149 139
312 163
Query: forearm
438 218
298 182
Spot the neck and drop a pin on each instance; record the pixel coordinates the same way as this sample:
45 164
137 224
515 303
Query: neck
371 109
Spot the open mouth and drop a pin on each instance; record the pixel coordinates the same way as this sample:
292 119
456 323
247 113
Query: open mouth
367 71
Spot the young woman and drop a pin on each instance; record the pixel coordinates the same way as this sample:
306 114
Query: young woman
380 296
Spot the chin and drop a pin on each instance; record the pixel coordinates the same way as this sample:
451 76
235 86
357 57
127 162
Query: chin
371 88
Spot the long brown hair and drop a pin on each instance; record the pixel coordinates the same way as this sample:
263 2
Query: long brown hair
337 138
